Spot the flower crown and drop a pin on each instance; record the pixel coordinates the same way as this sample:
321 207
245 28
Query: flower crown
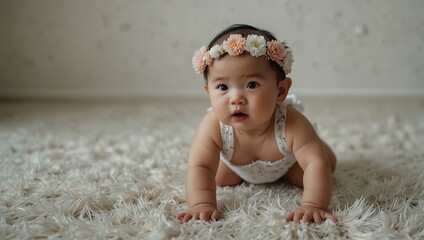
236 44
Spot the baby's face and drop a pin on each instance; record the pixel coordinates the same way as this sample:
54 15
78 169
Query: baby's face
243 90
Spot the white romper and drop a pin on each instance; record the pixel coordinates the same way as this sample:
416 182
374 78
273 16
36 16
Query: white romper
260 171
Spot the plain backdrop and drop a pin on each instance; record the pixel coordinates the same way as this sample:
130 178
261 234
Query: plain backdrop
117 48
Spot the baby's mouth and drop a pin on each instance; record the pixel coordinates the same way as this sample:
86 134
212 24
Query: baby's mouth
239 116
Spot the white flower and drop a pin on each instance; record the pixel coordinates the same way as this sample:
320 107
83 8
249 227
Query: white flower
256 45
221 49
214 51
287 62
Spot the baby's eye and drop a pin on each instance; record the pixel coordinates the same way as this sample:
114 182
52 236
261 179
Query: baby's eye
222 87
252 85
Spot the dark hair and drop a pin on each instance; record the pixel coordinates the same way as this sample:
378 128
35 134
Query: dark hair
245 30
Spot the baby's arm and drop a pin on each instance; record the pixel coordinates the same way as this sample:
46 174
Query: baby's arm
202 167
317 177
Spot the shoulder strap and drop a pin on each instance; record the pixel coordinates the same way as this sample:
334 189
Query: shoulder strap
280 129
227 141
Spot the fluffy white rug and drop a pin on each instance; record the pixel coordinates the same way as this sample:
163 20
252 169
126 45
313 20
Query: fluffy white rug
115 170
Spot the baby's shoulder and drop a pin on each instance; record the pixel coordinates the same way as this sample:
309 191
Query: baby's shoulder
209 128
294 116
297 124
210 121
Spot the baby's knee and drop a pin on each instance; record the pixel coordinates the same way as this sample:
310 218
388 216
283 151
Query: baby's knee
227 182
226 177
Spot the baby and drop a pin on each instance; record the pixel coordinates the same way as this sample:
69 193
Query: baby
253 131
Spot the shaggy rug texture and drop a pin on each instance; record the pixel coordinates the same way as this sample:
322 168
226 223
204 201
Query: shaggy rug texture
116 170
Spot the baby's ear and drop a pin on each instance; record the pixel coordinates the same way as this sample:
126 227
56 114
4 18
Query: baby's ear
206 88
283 89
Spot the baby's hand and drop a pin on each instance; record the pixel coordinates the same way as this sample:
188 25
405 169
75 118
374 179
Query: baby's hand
205 212
309 213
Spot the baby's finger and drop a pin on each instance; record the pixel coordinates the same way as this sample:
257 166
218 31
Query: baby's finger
205 216
215 215
180 216
317 218
297 217
330 216
290 216
307 218
187 217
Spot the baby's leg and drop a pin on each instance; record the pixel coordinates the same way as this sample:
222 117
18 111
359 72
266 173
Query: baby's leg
225 176
295 174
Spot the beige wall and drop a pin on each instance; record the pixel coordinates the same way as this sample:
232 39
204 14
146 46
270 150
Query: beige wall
80 48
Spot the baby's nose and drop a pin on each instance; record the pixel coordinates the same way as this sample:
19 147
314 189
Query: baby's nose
238 98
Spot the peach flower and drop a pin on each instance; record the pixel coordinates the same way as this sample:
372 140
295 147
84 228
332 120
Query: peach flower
276 51
198 60
234 45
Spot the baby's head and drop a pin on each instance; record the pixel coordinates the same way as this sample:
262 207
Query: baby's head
244 39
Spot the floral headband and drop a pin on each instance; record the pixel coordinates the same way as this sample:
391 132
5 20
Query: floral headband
236 44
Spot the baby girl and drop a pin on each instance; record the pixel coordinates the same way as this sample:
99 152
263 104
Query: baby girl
254 131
